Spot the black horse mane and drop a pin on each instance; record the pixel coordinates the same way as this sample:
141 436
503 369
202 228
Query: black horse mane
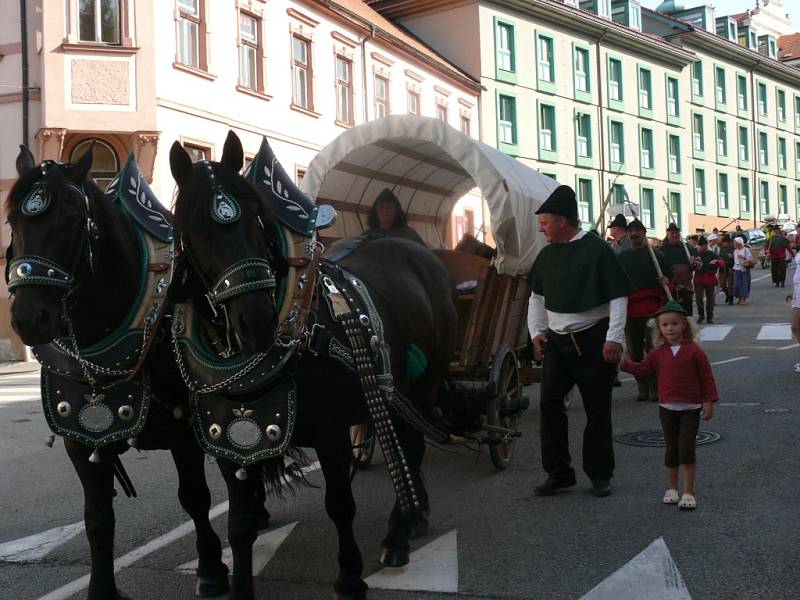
195 216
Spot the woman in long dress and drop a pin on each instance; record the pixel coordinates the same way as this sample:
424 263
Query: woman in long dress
742 257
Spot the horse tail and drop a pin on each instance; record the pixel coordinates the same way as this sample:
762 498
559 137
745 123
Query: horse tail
285 472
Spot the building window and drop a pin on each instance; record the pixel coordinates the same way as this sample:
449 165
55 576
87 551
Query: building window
764 197
302 73
673 103
722 191
546 66
722 92
675 208
197 152
344 90
441 112
648 207
722 139
744 194
780 101
547 127
99 21
584 194
381 96
744 145
697 133
697 78
763 149
617 142
249 52
645 89
466 125
674 148
762 99
699 187
582 77
507 124
505 47
797 164
781 154
412 101
797 114
105 163
741 92
191 33
646 145
615 79
618 194
583 132
783 199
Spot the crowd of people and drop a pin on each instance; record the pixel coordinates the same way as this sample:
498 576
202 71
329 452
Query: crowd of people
629 290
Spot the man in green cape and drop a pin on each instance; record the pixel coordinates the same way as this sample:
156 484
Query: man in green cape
675 251
577 310
777 247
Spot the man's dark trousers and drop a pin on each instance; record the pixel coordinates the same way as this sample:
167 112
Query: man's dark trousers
704 296
778 269
564 367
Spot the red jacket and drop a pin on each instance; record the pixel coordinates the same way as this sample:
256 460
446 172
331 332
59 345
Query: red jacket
685 378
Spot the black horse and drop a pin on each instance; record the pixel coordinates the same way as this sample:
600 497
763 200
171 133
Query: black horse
73 227
414 296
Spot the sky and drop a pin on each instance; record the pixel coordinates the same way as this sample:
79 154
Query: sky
730 7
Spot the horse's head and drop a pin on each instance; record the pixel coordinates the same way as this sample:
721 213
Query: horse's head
51 228
229 244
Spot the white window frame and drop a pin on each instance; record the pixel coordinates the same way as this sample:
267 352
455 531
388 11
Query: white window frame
545 63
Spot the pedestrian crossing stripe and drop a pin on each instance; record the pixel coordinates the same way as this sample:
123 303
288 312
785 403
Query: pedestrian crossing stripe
768 332
775 332
715 333
37 546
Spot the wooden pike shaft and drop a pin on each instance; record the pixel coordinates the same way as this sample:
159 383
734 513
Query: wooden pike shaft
659 272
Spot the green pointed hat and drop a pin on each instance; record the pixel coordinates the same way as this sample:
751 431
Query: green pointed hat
670 306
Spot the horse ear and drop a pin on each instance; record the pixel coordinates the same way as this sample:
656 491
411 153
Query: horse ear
80 169
180 163
25 160
232 153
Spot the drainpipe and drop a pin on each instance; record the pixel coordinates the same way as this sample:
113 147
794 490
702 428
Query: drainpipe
364 70
601 129
23 22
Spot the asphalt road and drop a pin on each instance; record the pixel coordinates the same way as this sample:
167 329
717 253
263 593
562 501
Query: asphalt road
490 536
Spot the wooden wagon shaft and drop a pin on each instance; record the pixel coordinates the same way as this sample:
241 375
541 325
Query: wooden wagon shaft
502 430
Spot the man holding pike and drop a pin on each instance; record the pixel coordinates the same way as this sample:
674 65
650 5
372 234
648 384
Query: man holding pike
684 261
649 270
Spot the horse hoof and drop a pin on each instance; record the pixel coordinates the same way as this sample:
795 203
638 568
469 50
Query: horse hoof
419 529
394 557
359 593
208 587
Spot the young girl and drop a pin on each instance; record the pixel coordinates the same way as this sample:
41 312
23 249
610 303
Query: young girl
686 391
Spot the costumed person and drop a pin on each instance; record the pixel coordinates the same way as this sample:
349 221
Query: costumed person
705 281
741 233
742 263
686 393
644 302
577 321
387 219
683 259
794 298
777 248
726 272
713 242
619 234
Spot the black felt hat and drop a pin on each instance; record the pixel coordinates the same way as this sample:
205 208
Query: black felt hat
636 224
673 227
561 202
619 221
701 241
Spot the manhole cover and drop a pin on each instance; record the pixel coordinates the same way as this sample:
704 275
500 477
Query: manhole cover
655 438
776 410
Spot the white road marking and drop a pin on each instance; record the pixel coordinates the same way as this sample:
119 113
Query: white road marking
740 403
37 546
135 555
782 331
651 574
264 548
432 568
760 278
730 360
715 333
789 347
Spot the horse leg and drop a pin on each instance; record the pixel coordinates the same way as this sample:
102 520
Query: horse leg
395 550
334 453
193 493
98 514
242 526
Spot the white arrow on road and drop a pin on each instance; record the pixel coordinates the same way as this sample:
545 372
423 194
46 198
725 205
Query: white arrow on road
37 546
432 568
651 574
264 548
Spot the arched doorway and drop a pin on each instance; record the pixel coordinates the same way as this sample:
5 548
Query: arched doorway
105 164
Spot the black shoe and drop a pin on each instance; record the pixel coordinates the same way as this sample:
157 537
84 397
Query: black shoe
601 487
553 484
783 284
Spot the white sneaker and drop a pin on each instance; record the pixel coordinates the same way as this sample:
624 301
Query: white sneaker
797 368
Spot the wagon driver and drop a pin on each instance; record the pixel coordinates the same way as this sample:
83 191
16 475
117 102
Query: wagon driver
577 321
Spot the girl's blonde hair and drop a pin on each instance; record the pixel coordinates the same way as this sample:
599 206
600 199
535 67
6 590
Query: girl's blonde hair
690 331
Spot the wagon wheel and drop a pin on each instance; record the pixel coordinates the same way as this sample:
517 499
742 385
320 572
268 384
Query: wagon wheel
505 391
362 437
